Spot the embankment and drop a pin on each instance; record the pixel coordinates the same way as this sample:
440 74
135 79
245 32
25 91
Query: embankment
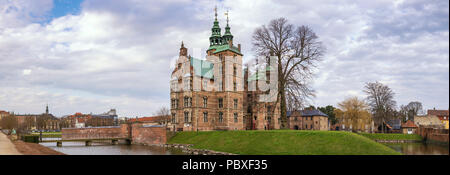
283 142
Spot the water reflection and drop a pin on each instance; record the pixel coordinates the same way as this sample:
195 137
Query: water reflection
105 148
419 148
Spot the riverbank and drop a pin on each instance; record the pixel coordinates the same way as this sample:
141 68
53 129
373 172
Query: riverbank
393 138
33 148
283 142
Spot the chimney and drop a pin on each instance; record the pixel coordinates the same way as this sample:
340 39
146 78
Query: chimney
239 47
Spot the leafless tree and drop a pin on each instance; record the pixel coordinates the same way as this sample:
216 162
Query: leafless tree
296 49
164 114
9 122
413 108
381 101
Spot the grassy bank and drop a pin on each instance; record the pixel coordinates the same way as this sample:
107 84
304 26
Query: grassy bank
48 134
283 142
381 136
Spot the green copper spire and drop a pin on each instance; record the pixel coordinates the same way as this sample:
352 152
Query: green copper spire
227 37
216 38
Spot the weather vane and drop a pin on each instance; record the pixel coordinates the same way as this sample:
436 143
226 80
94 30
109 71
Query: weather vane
215 11
226 14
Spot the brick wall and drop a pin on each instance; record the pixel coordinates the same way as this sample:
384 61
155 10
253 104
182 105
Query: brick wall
142 134
434 135
95 132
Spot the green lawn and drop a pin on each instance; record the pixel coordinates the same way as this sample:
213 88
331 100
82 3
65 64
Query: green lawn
381 136
283 142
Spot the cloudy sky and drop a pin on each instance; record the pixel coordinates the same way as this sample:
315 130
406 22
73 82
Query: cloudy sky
93 55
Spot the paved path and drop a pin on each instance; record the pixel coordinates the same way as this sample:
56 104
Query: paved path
6 146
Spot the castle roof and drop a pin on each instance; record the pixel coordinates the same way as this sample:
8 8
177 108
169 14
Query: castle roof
202 68
224 47
308 113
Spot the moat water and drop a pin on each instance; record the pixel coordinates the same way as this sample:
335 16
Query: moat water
106 148
419 148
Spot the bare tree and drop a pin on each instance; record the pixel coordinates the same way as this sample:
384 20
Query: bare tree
164 114
9 122
296 50
413 108
381 101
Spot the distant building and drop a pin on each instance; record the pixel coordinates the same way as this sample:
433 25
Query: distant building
409 127
153 120
429 121
441 114
391 126
80 120
3 114
308 120
44 121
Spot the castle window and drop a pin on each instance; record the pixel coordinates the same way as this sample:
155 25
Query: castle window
235 103
205 102
174 118
205 117
234 86
220 117
186 101
220 102
235 117
190 101
205 85
186 117
234 71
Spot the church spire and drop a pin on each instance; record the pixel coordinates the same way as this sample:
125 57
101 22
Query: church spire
46 109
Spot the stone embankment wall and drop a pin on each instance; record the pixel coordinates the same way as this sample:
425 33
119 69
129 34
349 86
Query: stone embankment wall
434 135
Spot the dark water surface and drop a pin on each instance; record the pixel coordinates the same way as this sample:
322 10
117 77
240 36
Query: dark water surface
419 148
79 148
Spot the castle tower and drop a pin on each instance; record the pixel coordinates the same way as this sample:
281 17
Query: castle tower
216 35
183 50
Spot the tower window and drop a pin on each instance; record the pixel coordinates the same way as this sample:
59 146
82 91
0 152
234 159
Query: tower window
235 103
186 117
235 117
205 117
220 102
220 117
205 102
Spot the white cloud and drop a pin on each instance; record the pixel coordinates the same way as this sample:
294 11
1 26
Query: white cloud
119 54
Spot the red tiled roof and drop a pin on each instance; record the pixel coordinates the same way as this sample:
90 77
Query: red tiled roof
4 112
437 112
146 119
409 124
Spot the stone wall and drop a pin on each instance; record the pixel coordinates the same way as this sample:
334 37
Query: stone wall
433 135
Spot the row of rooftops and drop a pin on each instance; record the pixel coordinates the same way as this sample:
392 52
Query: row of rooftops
307 113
